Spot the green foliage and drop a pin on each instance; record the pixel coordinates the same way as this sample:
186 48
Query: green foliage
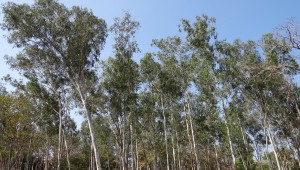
196 103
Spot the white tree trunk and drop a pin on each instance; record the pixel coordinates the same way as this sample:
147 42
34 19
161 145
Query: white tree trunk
188 134
59 148
274 148
217 157
173 143
165 132
137 155
178 151
90 122
92 134
67 149
131 147
267 150
229 137
193 138
230 145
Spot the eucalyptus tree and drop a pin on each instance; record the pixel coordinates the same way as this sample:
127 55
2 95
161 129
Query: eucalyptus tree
200 38
120 85
257 82
104 138
169 87
59 46
269 84
149 70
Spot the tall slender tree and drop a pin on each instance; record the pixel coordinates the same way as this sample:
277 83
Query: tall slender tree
121 84
59 43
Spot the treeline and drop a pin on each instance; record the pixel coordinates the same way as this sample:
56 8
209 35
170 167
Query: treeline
198 102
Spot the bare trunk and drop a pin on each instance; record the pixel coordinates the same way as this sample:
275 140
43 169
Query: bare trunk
165 132
173 143
267 153
131 147
137 155
193 139
217 158
59 148
229 137
91 159
92 133
67 149
274 148
188 132
178 151
297 155
147 164
243 135
230 145
94 145
124 157
90 123
297 108
173 152
246 145
258 157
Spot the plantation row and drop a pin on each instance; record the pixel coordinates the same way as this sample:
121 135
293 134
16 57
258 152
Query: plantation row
197 102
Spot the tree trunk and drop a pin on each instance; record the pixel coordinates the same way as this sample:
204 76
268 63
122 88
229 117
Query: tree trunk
230 144
188 134
229 137
208 155
92 132
297 154
267 152
245 144
217 158
90 122
165 132
137 155
67 149
131 147
91 159
178 151
274 148
59 148
124 157
193 139
243 135
173 143
258 157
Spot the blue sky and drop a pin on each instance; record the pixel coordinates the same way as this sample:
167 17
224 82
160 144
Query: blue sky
160 18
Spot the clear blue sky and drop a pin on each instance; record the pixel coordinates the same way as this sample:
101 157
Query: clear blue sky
243 19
